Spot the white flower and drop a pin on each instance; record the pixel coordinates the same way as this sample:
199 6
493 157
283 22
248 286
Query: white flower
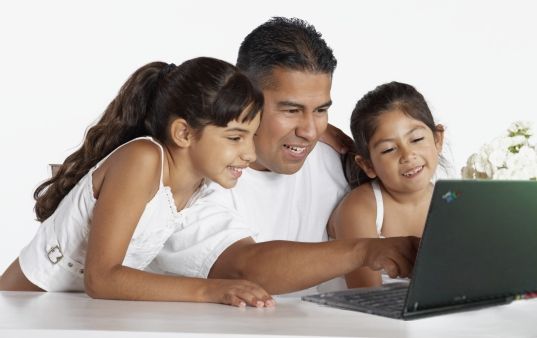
520 126
512 156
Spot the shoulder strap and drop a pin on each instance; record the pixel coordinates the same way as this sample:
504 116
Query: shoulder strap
149 138
380 205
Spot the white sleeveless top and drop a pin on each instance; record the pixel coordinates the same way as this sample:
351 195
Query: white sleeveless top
379 219
54 260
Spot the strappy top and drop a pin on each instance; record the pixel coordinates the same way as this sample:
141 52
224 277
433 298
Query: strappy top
62 238
380 206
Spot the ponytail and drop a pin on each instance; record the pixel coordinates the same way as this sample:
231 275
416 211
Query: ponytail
122 121
202 91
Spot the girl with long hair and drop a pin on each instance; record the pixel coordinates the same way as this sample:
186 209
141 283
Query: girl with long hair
113 203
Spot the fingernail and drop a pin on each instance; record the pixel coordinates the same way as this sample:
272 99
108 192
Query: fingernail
259 303
269 303
242 304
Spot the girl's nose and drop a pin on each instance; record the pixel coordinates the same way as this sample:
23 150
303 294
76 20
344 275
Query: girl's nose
248 155
407 154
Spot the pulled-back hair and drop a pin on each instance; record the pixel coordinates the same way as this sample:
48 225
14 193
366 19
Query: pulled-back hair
203 91
288 43
364 119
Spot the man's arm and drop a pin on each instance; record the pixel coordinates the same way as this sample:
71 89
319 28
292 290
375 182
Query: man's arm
284 266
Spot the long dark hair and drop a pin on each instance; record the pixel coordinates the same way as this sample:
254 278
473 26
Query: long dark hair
202 91
364 119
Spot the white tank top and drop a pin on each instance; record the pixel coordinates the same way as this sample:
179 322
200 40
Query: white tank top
54 260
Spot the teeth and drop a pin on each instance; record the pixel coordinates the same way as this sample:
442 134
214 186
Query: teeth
413 171
296 150
236 169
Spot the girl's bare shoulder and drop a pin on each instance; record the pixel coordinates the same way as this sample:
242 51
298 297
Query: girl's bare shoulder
355 215
139 161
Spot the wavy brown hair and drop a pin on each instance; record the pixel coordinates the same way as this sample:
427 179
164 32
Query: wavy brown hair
202 91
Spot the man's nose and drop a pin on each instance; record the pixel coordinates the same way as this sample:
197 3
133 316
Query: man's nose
307 128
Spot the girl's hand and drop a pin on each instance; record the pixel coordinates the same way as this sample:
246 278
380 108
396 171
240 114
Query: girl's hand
238 293
337 139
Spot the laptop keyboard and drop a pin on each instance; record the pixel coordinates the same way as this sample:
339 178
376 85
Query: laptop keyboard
389 300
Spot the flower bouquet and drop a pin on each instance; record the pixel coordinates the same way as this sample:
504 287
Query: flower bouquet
512 156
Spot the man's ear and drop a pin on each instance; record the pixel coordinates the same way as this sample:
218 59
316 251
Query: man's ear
181 133
439 137
366 166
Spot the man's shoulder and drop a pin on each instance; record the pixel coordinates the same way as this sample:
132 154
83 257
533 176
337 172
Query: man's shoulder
325 160
323 150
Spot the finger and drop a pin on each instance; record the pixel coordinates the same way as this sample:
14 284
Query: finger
404 267
259 292
250 298
391 268
416 241
235 301
406 246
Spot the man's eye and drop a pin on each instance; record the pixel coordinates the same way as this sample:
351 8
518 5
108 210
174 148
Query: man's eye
234 138
293 111
322 110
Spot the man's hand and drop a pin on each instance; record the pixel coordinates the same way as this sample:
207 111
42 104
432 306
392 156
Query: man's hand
337 139
395 255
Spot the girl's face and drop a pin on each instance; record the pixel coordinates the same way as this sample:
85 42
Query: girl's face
403 151
221 153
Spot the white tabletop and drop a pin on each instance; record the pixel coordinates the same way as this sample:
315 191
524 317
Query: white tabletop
29 314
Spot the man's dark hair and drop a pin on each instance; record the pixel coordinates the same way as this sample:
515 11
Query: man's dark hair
288 43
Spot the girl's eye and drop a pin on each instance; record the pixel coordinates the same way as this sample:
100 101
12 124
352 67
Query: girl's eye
418 139
235 139
386 151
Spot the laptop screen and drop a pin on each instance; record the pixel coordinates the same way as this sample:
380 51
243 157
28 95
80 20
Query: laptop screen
479 243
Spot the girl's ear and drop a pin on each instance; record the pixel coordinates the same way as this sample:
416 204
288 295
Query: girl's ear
181 133
439 137
366 166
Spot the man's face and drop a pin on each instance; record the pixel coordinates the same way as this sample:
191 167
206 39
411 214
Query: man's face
295 115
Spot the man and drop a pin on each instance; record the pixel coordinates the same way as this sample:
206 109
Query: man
268 228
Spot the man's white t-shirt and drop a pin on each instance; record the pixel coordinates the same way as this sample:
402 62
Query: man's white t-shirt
264 205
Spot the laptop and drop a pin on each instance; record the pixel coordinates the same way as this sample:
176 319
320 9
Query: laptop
479 248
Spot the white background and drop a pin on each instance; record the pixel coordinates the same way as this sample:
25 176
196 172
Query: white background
62 62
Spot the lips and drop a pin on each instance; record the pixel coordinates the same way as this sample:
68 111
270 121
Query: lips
295 151
236 172
413 172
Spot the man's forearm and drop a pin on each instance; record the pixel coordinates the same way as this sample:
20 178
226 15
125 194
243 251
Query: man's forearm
284 266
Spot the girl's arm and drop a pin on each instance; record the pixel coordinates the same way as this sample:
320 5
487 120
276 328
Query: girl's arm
130 180
354 217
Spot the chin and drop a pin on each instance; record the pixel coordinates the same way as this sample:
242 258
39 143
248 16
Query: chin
227 185
288 169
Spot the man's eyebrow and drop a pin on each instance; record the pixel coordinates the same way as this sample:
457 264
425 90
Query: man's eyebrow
290 104
325 105
298 105
392 139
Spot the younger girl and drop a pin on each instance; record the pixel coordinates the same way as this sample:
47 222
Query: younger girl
113 203
398 147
